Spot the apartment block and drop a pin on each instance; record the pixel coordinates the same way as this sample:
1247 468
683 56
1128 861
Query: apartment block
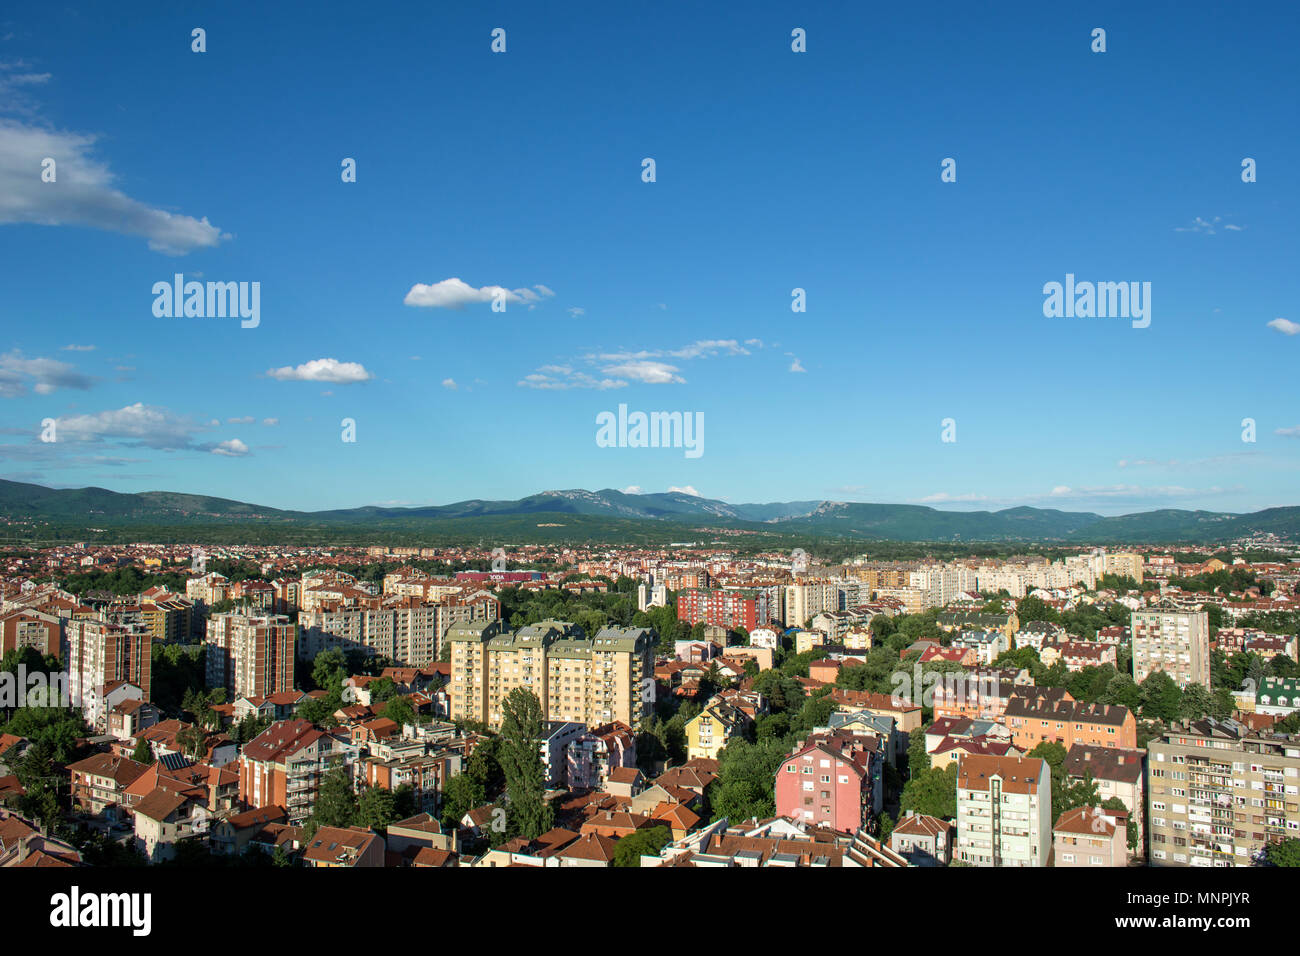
1218 793
592 680
1038 715
1004 811
832 779
28 628
100 653
801 602
402 628
1174 641
251 656
284 765
725 608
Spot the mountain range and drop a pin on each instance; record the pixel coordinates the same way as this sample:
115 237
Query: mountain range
616 512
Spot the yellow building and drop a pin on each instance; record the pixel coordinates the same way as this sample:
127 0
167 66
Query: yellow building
168 620
713 728
591 680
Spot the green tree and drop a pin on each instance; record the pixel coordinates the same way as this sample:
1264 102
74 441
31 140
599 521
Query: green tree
1035 609
745 786
376 808
400 710
329 669
629 850
933 792
1161 698
1286 853
336 804
522 723
1196 703
142 752
460 794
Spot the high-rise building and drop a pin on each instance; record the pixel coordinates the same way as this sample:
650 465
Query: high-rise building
405 629
591 680
1218 793
1174 641
100 653
1004 811
251 656
723 607
801 602
1126 564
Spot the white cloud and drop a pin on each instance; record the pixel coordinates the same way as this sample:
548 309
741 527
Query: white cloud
620 368
547 381
576 312
649 373
270 422
1289 432
245 420
78 348
797 366
1285 326
1207 227
449 383
322 370
686 490
234 448
632 490
455 294
138 424
44 375
83 193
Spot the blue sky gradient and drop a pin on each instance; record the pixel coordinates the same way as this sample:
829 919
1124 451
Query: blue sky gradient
775 170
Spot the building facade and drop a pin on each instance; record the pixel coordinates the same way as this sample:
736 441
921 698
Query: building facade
1174 641
1219 793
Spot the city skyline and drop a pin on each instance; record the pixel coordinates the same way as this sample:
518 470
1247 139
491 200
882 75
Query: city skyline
775 171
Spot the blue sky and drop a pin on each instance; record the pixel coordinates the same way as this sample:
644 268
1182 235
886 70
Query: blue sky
774 170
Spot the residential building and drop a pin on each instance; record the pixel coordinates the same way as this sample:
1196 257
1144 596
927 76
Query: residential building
715 726
1004 811
344 847
1036 715
1218 793
100 653
924 840
729 608
591 680
832 779
1174 641
1118 773
251 656
1089 837
284 765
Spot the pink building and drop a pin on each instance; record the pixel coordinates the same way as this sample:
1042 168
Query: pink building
832 779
